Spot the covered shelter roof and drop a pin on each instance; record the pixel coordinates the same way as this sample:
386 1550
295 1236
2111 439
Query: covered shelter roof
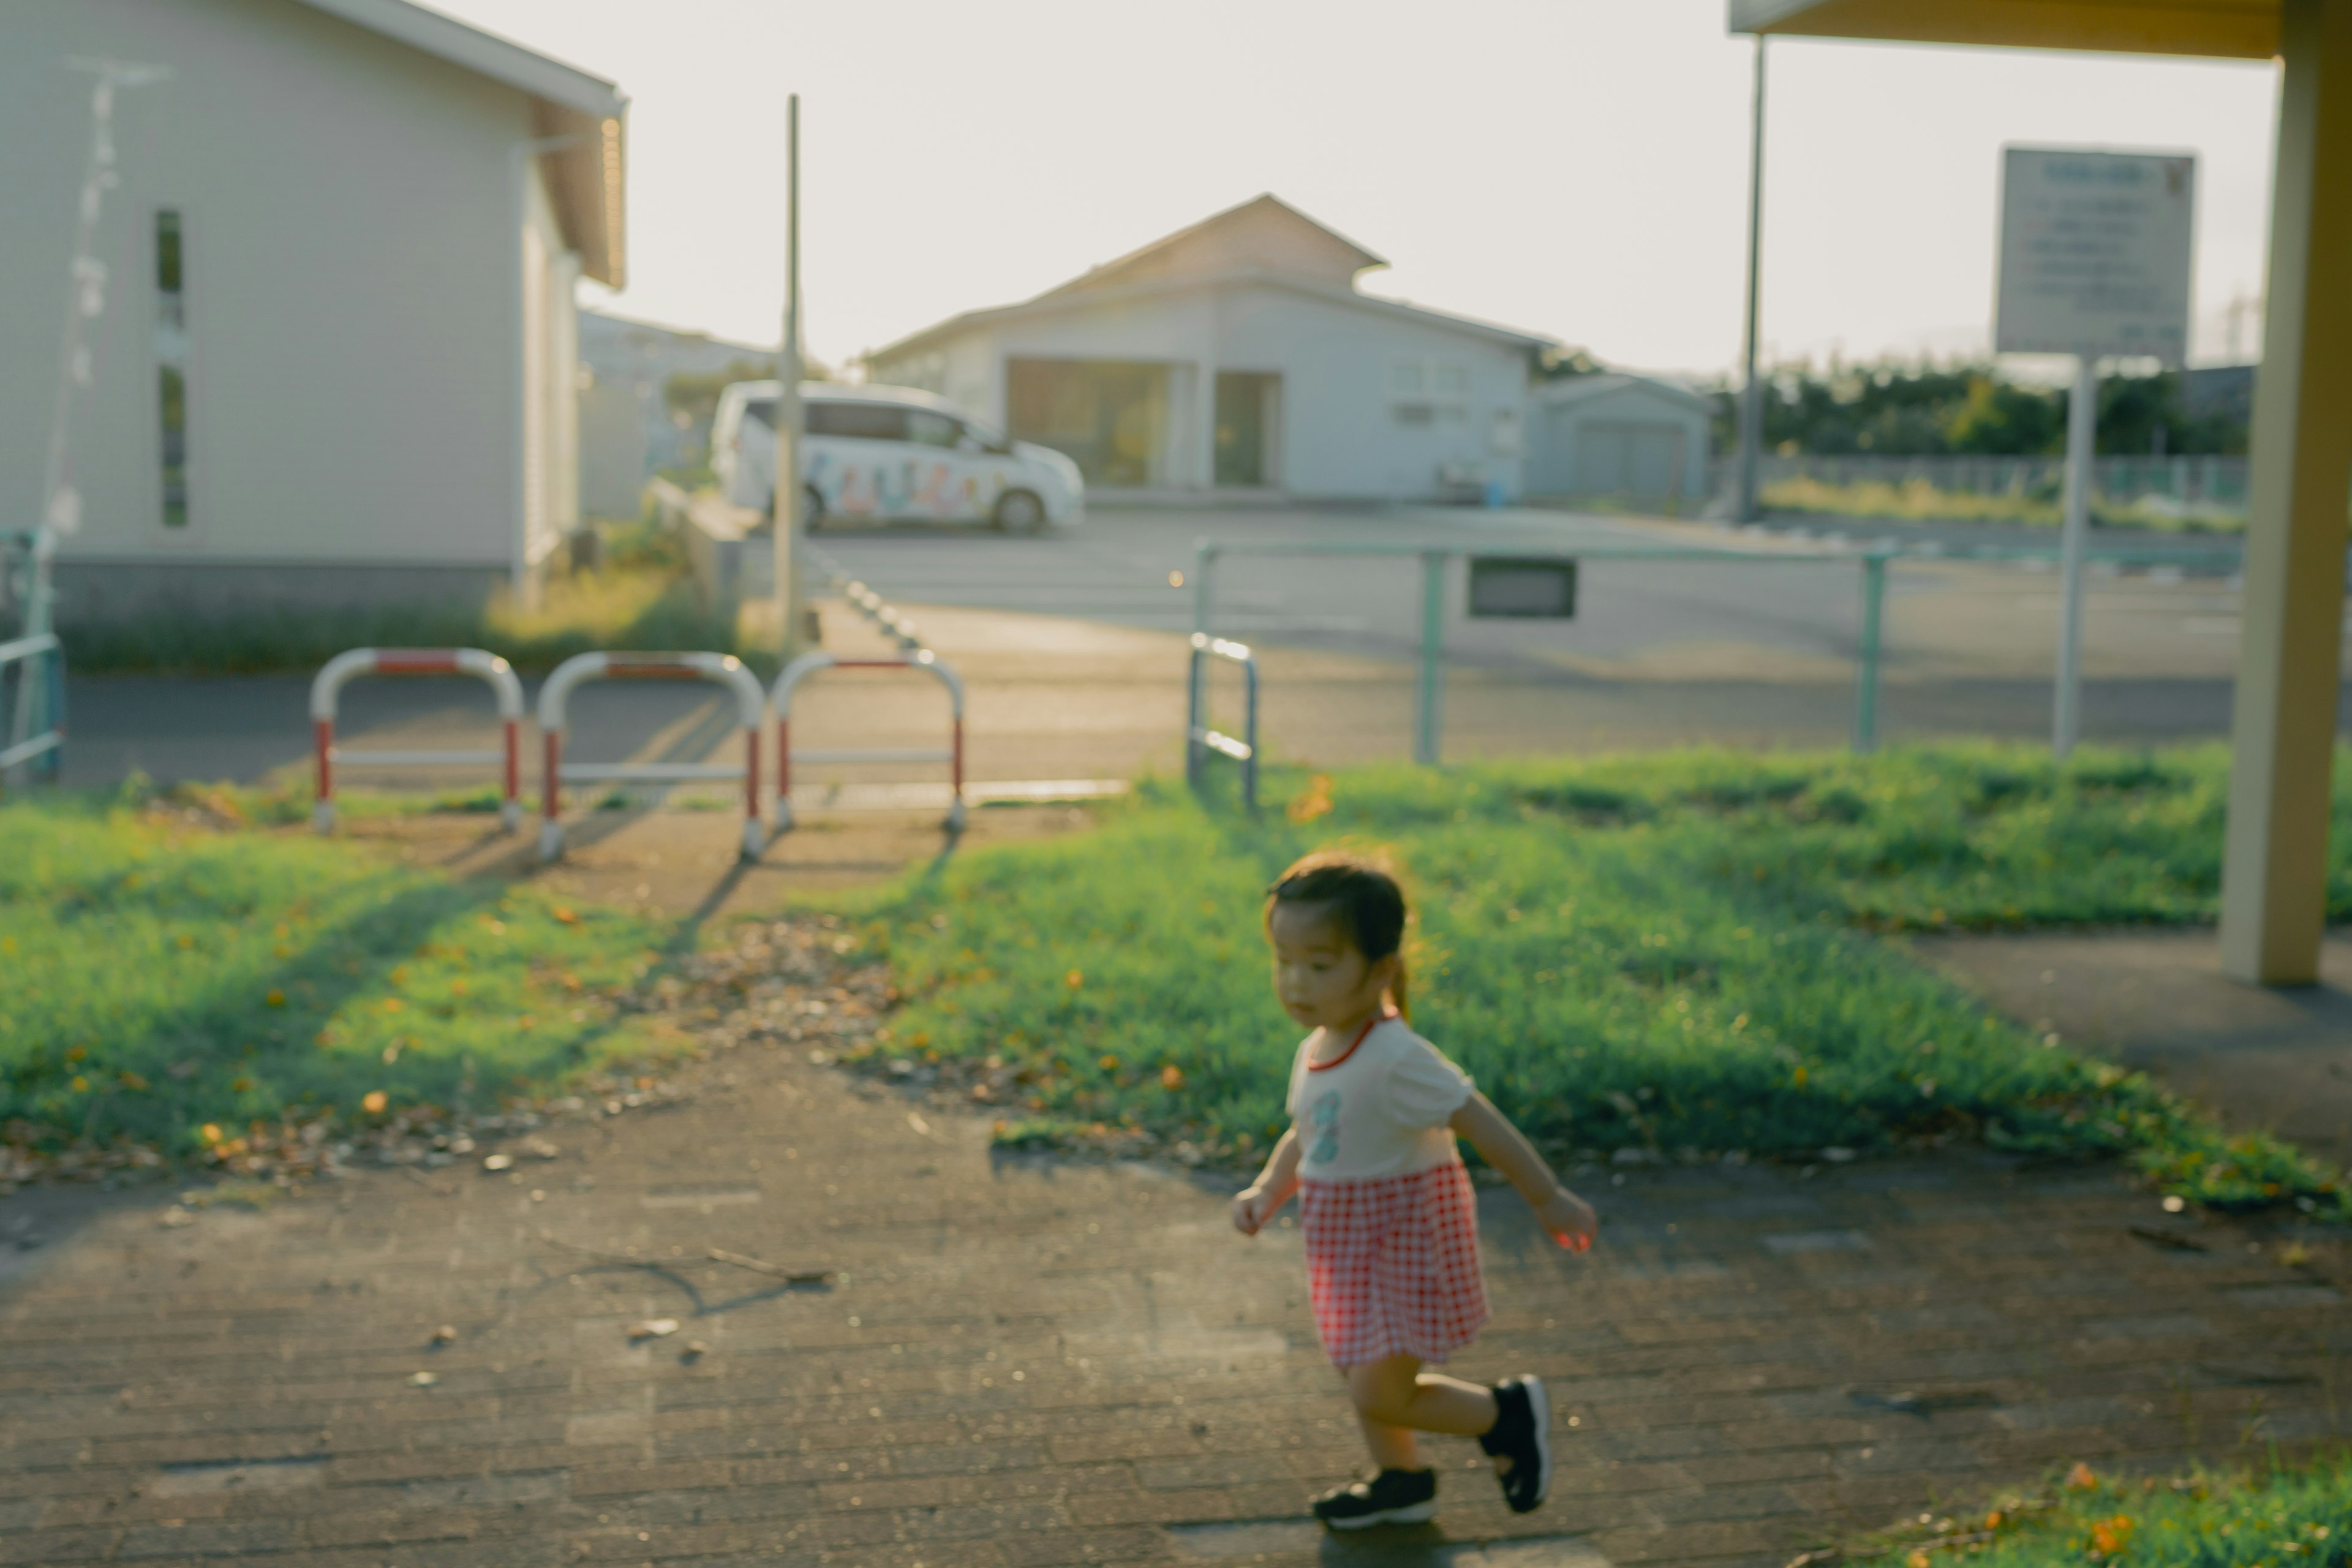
2230 29
584 114
2284 704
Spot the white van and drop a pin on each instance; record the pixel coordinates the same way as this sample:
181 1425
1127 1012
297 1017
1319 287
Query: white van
892 453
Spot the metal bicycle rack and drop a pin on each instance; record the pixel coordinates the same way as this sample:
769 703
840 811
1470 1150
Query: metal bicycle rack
1199 739
51 743
780 698
724 669
326 691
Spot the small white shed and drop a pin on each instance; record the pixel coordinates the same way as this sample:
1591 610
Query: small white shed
1635 437
1238 355
337 361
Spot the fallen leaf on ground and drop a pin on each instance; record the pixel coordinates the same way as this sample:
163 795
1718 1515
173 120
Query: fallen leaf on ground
175 1216
423 1379
498 1162
654 1328
445 1335
539 1148
695 1350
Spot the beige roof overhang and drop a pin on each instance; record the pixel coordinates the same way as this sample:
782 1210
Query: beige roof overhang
2229 29
588 115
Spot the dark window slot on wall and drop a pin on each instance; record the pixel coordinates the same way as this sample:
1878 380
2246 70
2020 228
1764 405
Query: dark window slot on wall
172 365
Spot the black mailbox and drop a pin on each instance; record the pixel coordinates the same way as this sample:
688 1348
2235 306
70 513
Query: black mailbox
1537 588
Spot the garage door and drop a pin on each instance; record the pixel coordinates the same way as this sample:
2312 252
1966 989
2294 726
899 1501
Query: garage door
1629 460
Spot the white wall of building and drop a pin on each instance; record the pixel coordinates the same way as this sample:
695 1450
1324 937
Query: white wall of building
352 251
1339 431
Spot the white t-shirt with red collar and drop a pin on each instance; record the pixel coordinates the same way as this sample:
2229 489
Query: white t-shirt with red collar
1379 1108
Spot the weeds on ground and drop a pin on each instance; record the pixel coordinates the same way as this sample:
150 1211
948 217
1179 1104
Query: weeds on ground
1916 501
2297 1518
635 607
173 985
1663 955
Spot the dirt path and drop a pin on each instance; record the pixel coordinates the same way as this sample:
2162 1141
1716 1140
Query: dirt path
1024 1362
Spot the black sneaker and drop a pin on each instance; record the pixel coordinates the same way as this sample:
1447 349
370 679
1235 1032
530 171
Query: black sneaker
1392 1497
1522 1434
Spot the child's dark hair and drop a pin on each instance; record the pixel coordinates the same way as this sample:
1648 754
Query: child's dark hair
1366 900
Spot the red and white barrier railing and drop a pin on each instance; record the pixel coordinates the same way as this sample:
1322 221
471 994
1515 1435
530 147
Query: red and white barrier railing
326 690
780 697
724 669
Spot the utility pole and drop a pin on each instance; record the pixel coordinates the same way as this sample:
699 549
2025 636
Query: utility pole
1751 392
789 522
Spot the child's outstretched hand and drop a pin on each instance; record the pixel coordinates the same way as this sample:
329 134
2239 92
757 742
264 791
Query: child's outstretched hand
1569 1218
1253 1206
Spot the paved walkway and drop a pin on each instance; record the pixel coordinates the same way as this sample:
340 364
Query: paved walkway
1032 1363
2156 1000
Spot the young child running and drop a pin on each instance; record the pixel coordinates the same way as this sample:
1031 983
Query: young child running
1390 1224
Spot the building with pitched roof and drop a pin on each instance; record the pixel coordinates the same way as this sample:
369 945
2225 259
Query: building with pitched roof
336 361
1239 355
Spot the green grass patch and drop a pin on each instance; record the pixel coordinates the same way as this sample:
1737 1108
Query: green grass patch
165 976
1673 954
1916 501
2284 1518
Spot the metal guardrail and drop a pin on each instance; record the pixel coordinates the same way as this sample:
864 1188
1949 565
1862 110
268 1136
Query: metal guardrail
1200 740
1430 682
51 743
780 698
725 670
326 691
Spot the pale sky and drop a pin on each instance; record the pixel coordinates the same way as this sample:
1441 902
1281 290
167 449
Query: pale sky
1577 168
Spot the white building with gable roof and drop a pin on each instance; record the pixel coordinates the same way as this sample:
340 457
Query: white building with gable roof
1238 355
337 361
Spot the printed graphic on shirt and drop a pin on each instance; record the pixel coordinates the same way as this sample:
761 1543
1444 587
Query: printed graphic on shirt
1326 1117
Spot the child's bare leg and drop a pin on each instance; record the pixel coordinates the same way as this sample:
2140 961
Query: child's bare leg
1394 1398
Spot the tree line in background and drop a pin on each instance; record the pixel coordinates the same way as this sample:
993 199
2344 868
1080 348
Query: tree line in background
1928 410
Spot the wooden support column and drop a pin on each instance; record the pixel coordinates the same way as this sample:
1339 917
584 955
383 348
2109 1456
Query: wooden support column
2274 875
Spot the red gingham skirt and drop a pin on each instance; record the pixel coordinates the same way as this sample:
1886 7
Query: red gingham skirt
1392 1265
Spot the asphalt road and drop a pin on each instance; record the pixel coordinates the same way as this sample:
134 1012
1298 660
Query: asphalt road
1791 597
1071 643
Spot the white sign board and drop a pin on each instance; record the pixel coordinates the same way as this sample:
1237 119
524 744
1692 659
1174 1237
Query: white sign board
2094 253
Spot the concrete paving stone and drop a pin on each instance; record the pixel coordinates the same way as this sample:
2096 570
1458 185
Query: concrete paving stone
1738 1502
725 1460
698 1476
1083 1548
1697 1542
1098 1508
238 1539
979 1523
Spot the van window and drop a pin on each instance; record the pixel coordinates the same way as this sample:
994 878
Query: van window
761 411
925 428
858 421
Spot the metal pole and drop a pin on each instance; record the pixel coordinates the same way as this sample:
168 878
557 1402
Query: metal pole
1193 724
1429 691
2081 430
1204 562
1752 394
38 706
789 522
1249 737
1865 700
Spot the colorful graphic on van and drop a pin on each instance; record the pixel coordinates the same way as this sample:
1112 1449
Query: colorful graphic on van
902 488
